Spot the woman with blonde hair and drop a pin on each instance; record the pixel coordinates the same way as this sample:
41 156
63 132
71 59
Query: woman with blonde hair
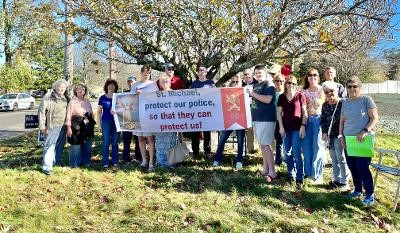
164 140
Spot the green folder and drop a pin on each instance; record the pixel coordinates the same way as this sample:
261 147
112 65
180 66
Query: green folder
360 149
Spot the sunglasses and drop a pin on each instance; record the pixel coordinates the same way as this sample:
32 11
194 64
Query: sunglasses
279 81
234 81
352 86
329 91
312 75
290 83
170 69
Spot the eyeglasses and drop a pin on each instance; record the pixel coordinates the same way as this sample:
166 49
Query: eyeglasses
290 83
234 81
202 69
352 86
248 74
329 91
279 81
312 75
170 69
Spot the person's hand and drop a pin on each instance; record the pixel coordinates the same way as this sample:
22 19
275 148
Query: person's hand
361 136
302 133
44 131
112 112
343 142
282 132
139 91
325 137
69 131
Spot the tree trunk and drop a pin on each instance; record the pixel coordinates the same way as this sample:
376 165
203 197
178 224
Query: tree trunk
7 34
69 46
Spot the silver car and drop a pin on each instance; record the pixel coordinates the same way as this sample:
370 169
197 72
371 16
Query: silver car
16 101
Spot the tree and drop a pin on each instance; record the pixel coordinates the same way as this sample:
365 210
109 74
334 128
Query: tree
229 36
392 57
31 38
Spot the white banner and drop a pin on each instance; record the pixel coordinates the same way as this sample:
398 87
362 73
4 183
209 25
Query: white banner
203 109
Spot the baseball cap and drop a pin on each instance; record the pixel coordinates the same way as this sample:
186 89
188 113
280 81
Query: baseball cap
274 69
131 78
169 66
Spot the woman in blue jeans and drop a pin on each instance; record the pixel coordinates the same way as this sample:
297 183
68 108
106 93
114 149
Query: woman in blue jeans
359 117
292 118
240 134
108 128
313 148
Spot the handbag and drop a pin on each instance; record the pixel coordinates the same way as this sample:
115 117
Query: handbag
178 154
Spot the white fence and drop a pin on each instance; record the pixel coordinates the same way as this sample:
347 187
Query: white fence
388 86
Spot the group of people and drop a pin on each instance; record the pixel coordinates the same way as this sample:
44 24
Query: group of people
303 121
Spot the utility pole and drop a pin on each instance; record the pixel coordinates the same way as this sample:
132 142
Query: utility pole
111 60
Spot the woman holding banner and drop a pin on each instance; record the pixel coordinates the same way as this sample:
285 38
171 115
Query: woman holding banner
240 134
358 118
263 112
143 86
165 140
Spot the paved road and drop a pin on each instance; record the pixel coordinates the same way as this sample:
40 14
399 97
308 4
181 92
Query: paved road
12 123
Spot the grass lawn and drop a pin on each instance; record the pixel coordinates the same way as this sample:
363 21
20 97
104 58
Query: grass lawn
191 198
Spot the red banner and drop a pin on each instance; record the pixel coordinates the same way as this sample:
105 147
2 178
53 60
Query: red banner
233 107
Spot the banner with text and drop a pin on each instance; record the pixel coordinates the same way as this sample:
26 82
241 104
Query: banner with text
203 109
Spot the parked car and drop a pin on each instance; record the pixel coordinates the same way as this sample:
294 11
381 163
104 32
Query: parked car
16 101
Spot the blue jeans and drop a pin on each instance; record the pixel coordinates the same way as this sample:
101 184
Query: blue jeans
53 147
278 145
359 168
293 154
339 164
80 155
109 136
222 140
313 149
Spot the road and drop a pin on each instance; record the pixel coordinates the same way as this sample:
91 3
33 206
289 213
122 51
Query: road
12 123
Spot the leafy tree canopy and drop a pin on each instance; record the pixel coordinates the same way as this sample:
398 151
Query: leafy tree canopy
229 36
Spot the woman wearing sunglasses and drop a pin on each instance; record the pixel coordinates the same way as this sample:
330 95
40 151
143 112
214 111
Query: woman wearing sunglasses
330 130
312 145
358 118
292 117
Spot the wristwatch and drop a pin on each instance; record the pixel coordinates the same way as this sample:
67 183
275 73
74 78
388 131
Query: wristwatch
340 136
366 130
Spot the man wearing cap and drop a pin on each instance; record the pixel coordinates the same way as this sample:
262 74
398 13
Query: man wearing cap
330 75
176 82
127 136
248 82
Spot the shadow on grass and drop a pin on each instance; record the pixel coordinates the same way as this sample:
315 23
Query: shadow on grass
195 176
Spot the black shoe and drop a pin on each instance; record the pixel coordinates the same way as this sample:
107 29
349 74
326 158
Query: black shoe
299 184
47 172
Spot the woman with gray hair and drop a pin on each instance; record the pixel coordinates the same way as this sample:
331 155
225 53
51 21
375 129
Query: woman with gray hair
52 113
330 118
359 117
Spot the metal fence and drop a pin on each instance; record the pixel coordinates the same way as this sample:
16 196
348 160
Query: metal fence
388 86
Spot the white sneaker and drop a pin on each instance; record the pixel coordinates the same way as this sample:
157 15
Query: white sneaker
239 165
215 164
319 180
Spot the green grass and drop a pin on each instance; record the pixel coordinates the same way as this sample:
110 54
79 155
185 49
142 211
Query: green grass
192 198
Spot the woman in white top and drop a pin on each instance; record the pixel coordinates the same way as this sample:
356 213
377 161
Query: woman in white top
145 85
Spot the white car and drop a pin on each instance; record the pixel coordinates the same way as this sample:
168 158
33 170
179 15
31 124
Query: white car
16 101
